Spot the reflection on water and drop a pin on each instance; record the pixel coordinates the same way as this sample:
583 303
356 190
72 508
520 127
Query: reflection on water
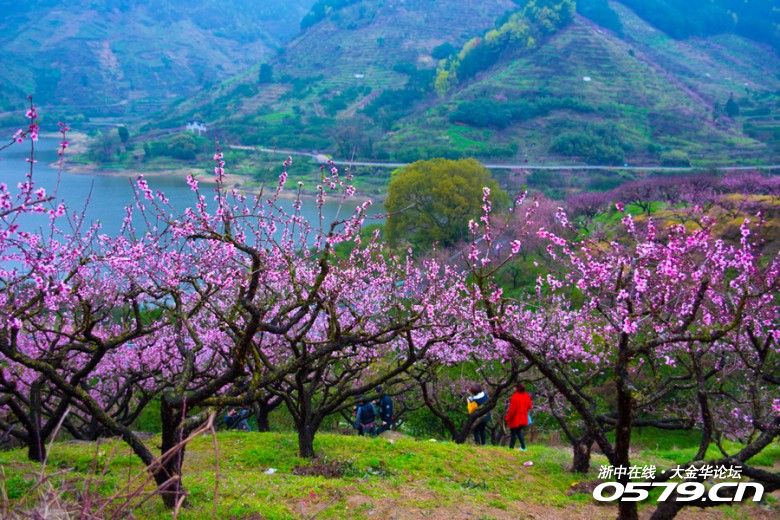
103 197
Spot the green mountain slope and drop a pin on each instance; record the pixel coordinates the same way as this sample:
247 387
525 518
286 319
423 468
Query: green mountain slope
337 67
116 56
374 79
591 95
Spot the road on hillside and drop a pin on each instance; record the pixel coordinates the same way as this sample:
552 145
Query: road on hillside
322 159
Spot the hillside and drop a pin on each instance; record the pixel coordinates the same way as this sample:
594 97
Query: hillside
591 95
360 82
368 478
120 56
336 67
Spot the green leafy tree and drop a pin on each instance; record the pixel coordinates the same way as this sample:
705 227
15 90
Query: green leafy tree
124 134
675 158
103 147
522 30
443 51
432 201
732 108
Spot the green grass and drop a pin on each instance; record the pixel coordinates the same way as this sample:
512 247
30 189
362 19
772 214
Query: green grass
680 446
613 216
276 117
463 138
408 477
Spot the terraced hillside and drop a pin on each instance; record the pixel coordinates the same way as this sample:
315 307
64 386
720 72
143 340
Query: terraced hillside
529 81
337 67
642 97
117 56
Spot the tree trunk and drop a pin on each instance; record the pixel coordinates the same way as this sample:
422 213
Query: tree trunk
93 430
261 416
704 406
667 510
581 449
36 448
626 510
306 433
168 474
460 436
263 408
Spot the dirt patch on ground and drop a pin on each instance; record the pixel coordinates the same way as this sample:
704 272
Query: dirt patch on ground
586 487
403 509
392 435
322 468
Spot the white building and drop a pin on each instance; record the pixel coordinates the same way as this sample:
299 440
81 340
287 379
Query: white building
197 127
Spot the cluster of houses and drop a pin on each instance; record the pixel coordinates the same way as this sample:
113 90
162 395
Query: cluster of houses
196 127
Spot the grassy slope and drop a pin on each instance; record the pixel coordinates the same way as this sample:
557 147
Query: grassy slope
655 89
92 57
367 38
712 68
405 479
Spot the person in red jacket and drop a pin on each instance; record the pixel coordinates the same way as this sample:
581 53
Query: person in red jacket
517 417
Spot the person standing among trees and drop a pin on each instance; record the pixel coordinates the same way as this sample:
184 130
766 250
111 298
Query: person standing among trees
237 419
517 416
365 418
385 406
474 403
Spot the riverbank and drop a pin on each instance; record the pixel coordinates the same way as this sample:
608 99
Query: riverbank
242 183
77 141
77 163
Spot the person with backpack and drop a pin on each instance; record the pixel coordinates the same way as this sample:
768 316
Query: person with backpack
474 403
365 418
237 419
385 406
518 417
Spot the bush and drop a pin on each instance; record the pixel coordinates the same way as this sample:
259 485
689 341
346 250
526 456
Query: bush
185 147
391 105
321 9
675 158
445 50
483 113
594 144
342 100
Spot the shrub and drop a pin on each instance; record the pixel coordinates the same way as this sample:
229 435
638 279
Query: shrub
183 146
675 158
443 51
594 144
483 113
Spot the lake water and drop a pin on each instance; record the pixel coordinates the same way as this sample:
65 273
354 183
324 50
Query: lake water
109 194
